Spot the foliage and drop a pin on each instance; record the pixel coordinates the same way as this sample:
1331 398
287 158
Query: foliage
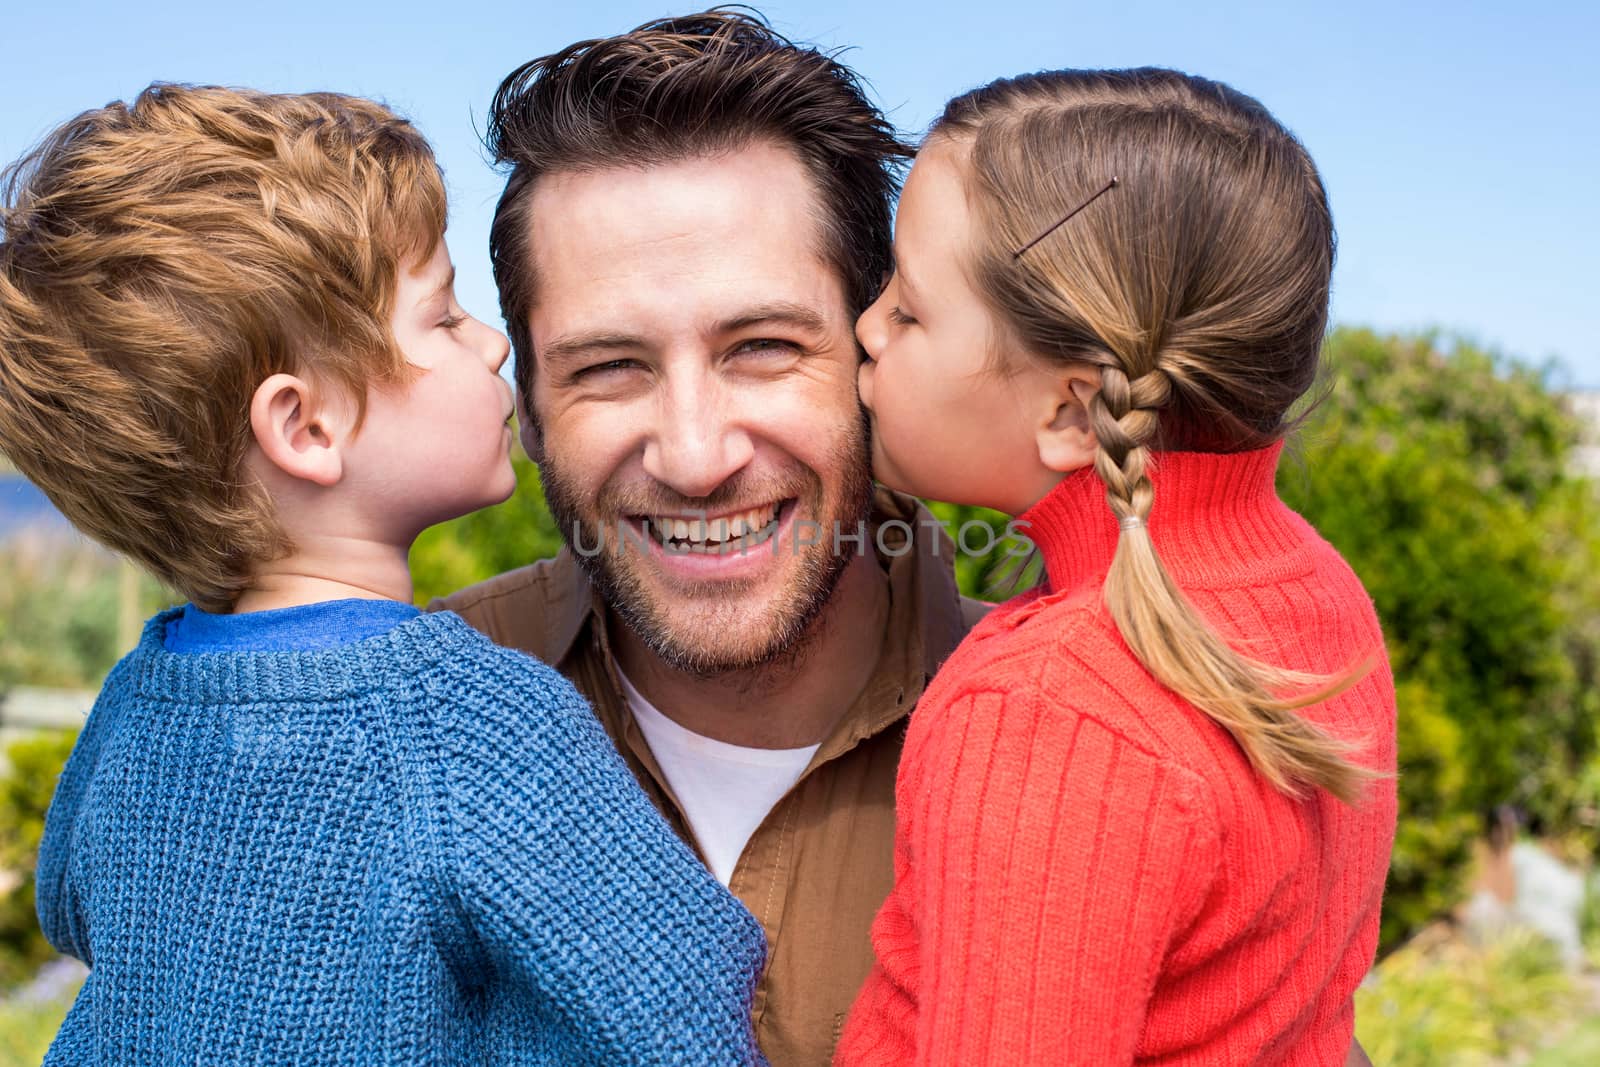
1445 478
458 553
1441 1000
58 613
1579 1047
27 1028
1432 847
57 616
31 765
1004 569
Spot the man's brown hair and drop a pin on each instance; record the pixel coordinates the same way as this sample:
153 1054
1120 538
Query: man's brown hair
158 261
1197 286
677 88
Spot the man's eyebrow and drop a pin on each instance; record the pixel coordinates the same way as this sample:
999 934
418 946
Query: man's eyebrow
577 344
778 312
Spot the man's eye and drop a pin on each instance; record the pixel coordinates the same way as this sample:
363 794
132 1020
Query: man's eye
766 344
900 318
608 365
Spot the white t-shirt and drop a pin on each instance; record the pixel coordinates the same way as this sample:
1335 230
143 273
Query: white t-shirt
725 790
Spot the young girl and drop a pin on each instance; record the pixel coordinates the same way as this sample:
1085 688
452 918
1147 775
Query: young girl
1144 815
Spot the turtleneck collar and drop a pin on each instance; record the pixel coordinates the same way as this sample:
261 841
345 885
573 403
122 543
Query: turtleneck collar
1216 518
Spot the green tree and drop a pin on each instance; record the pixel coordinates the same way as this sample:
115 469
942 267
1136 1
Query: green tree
58 613
31 765
1445 478
1009 565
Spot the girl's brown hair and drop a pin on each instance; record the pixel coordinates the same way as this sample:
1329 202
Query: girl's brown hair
158 261
1198 286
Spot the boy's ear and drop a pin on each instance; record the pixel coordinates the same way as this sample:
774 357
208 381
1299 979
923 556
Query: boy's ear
1065 435
294 433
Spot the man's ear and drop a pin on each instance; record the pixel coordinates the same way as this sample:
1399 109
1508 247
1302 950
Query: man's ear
294 433
529 430
1065 435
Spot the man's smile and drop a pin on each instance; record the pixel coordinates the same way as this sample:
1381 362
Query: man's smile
701 533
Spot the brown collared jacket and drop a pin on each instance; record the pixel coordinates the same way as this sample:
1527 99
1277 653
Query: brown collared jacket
821 863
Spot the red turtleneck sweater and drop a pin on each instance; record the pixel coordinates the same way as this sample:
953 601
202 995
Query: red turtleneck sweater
1087 869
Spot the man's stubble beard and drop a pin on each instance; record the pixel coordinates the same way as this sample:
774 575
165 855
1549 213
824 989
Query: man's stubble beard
789 624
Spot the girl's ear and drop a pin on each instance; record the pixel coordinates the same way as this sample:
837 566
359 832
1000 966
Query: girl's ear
295 433
1066 436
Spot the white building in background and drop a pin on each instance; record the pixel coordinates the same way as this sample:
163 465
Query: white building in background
1587 404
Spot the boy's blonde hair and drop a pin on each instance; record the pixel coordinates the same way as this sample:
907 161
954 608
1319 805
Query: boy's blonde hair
1198 288
158 261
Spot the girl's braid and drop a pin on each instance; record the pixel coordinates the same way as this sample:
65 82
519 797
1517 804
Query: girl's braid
1125 416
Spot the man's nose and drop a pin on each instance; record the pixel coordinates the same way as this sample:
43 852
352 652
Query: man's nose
697 446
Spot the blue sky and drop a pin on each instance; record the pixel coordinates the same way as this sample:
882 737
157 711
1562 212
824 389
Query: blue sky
1459 142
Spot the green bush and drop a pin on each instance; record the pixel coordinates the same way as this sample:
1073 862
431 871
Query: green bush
59 611
28 776
1442 1002
26 1029
1432 849
1579 1047
993 575
1445 478
58 615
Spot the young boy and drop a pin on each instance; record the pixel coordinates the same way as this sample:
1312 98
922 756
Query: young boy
305 823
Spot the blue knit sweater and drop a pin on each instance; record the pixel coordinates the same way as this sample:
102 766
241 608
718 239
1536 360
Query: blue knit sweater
417 849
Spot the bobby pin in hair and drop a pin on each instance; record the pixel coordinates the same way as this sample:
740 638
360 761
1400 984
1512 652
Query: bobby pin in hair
1107 187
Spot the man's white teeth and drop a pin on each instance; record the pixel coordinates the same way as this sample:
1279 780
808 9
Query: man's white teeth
717 532
754 521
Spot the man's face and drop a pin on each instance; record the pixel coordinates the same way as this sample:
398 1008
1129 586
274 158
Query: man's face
695 385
